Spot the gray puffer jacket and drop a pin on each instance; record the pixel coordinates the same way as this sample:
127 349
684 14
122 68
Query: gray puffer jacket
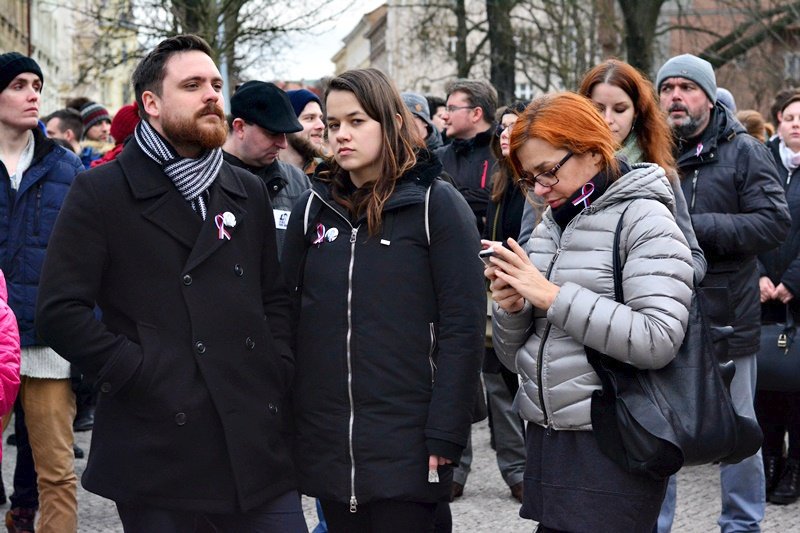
547 348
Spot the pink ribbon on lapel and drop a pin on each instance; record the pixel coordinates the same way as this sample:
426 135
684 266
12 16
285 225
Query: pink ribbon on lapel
222 233
586 192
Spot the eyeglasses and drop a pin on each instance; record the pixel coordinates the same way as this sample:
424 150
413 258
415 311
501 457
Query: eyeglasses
501 128
454 108
548 178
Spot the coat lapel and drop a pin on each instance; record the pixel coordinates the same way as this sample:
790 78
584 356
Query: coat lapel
226 195
167 209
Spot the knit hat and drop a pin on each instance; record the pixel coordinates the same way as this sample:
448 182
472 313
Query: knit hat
418 105
692 68
12 64
124 122
265 104
300 99
92 113
725 98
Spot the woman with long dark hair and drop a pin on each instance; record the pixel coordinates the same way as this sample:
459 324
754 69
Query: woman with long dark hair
382 255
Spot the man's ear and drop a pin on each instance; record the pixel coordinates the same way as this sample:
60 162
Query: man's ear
237 127
477 114
70 136
152 104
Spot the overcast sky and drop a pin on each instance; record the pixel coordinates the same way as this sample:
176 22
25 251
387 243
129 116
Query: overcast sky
310 57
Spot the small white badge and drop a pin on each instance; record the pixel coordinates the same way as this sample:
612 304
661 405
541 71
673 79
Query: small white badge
331 234
229 219
281 218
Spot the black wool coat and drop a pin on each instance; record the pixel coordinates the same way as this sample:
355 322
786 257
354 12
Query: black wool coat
191 358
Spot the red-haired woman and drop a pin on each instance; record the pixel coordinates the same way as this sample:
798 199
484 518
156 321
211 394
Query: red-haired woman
557 297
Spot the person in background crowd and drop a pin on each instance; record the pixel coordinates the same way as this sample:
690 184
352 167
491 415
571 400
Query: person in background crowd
66 124
122 127
307 147
753 122
777 103
177 248
386 372
96 120
738 210
552 299
469 116
260 119
34 178
437 108
725 97
504 216
779 269
418 107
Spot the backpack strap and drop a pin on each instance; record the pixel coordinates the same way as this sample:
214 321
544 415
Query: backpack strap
427 212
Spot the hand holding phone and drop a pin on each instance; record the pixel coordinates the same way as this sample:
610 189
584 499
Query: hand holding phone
485 255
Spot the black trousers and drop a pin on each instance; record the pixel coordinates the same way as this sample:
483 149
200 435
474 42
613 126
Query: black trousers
386 516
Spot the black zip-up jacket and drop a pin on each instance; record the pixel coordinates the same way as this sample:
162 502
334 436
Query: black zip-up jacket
782 264
471 162
389 340
738 210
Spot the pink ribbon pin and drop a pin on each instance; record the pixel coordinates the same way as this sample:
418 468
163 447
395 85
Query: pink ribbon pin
586 192
222 233
699 149
320 234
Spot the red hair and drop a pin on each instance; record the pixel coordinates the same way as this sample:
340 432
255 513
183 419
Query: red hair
650 125
568 121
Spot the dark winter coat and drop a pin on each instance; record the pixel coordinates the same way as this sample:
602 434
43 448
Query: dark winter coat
470 162
27 217
389 340
192 355
782 264
738 210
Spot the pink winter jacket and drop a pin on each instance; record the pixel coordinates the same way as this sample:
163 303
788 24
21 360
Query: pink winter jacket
9 354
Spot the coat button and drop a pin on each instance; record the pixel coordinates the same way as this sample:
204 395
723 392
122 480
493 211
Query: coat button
250 343
200 347
273 409
238 270
105 387
180 419
187 279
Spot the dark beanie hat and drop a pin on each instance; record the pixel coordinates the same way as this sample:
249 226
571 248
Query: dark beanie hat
124 122
92 113
300 99
12 64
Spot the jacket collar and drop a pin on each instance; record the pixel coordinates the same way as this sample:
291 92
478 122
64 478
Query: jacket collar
722 127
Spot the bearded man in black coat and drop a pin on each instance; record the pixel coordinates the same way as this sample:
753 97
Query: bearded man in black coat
191 356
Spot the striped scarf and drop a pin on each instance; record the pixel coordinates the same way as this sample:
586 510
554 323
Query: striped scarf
192 177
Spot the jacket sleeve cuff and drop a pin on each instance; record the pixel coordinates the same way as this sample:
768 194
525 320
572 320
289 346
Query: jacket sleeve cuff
444 448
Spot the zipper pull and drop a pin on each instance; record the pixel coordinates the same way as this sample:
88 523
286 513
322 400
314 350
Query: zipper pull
549 431
353 504
353 234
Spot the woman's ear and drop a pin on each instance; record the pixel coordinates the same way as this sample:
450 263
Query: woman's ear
399 119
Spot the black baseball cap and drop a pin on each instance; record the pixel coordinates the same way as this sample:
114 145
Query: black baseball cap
266 105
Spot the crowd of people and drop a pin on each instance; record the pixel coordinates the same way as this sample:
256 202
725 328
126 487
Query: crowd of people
288 299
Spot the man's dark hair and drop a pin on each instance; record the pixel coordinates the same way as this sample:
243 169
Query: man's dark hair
479 93
434 103
149 73
69 119
78 103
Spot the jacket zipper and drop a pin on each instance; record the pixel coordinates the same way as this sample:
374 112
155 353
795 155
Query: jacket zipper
431 350
540 355
353 500
694 187
485 170
36 217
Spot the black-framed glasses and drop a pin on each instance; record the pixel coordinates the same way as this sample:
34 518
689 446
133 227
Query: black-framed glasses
547 178
454 108
498 131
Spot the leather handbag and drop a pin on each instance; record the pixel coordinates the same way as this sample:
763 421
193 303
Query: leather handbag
652 422
779 357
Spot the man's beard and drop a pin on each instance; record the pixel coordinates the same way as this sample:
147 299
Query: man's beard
188 131
304 147
690 127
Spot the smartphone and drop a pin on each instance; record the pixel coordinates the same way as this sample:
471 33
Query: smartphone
485 255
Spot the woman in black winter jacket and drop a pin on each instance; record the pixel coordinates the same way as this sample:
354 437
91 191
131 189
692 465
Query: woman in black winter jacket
391 316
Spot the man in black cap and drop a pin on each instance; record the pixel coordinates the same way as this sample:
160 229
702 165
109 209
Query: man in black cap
261 116
35 174
192 354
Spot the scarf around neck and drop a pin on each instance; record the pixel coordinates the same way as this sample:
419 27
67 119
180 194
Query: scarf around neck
790 159
192 177
631 150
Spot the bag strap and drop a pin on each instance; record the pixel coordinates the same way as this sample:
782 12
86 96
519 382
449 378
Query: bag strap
616 263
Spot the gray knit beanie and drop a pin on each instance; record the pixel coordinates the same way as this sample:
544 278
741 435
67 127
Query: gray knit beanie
692 68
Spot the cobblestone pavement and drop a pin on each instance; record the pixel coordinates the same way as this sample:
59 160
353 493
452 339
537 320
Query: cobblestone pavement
486 506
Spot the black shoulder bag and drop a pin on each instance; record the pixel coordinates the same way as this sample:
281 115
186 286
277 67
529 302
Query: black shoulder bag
652 422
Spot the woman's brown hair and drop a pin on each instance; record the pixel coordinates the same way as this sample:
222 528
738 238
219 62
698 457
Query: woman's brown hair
650 125
565 120
499 178
378 96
